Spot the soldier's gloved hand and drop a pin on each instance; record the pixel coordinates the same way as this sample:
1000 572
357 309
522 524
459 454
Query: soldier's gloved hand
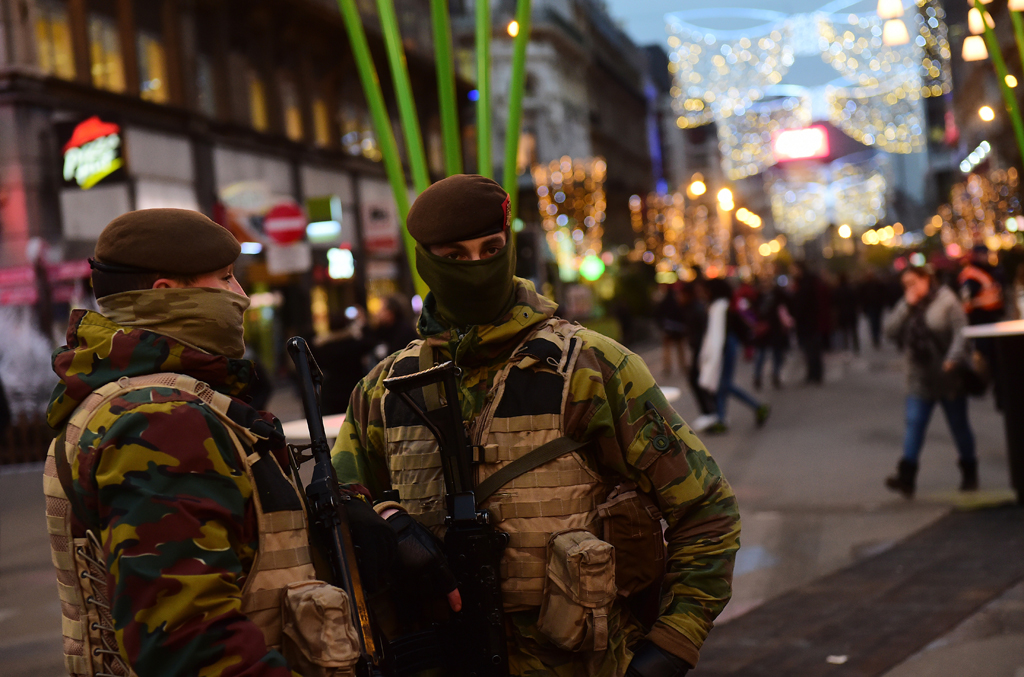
376 545
420 552
650 660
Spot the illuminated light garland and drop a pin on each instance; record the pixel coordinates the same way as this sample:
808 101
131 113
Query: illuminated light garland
801 201
889 116
572 204
745 141
978 212
675 236
855 49
715 78
719 74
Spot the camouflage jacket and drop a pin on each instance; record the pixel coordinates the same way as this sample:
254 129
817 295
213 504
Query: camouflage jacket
610 388
162 478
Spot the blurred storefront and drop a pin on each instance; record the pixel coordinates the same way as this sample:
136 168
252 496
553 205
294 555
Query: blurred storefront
227 107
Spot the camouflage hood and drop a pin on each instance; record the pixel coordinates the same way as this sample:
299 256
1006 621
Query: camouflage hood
99 351
485 343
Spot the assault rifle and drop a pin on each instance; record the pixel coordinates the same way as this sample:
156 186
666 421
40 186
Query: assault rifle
472 545
328 512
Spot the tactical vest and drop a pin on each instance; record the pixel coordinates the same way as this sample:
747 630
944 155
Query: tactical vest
90 647
523 410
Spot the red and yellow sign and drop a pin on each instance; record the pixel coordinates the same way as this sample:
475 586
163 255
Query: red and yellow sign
93 153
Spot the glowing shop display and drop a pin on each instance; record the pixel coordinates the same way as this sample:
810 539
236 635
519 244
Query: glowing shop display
93 153
341 265
801 144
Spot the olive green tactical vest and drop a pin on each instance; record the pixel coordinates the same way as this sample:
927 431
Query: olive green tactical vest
524 410
90 647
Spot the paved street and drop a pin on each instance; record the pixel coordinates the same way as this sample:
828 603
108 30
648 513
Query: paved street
810 490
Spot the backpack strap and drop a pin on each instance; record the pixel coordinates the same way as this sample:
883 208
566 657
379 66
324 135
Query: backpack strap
258 432
524 464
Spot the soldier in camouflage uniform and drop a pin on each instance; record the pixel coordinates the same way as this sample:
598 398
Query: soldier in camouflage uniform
514 357
157 471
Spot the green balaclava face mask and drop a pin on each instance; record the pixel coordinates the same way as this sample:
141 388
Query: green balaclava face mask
470 292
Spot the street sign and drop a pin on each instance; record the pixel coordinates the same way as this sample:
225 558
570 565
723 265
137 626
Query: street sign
91 153
285 223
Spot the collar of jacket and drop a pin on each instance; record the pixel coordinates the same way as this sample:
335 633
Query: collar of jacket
99 351
485 343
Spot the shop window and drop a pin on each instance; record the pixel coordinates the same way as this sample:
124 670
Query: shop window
258 117
53 39
357 135
321 123
205 93
290 108
150 49
105 48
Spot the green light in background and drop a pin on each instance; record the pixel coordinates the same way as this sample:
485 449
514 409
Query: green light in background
592 268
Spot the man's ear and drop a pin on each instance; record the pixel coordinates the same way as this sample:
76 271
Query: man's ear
166 283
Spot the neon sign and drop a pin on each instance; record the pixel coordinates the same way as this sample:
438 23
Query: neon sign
801 144
93 153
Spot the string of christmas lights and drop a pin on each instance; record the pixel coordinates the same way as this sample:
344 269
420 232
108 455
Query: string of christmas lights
745 140
984 209
572 205
889 116
804 203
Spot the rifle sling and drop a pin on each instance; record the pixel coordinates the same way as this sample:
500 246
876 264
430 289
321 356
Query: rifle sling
432 392
524 464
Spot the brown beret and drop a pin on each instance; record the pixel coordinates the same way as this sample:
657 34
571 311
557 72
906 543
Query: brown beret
174 241
461 207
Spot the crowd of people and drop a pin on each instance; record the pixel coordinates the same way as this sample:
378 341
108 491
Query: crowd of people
708 324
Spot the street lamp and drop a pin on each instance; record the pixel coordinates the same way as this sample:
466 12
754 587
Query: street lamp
974 48
513 28
986 113
845 231
698 188
725 200
890 9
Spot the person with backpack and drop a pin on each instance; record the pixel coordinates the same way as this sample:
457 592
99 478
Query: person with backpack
928 323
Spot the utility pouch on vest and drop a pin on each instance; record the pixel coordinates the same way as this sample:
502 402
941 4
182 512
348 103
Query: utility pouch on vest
632 525
318 632
578 591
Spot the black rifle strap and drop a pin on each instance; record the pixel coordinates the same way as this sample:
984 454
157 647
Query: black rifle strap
60 457
524 464
432 392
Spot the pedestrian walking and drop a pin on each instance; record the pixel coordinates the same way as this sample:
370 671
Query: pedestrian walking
982 295
772 332
928 324
808 309
847 311
528 378
873 301
695 314
670 315
720 353
173 526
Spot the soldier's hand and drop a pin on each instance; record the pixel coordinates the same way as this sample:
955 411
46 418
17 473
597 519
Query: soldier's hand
420 552
650 660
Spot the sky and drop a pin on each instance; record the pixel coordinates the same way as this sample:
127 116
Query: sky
644 22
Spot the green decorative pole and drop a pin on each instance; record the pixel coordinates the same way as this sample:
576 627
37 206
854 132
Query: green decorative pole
382 124
483 88
403 94
1018 33
446 87
515 105
1000 64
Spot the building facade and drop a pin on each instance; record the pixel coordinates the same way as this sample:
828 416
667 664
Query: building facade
224 106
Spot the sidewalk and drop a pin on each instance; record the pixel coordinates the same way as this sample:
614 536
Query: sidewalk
810 490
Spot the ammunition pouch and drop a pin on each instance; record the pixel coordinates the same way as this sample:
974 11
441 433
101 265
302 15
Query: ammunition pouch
318 631
579 590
